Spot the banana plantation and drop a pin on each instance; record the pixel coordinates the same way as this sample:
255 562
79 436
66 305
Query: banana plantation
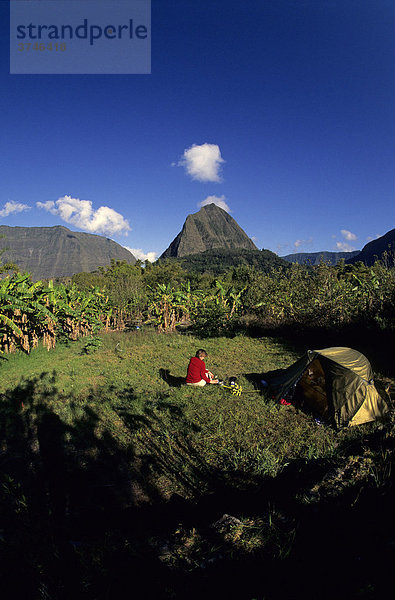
34 312
165 296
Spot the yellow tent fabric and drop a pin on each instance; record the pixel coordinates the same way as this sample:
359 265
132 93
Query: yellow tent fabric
350 359
352 398
371 409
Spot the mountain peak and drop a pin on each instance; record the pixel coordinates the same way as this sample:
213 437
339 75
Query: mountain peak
212 208
211 227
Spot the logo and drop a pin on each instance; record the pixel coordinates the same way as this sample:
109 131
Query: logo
108 37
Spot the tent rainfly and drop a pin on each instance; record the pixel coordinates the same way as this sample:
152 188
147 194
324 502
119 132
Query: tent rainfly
335 384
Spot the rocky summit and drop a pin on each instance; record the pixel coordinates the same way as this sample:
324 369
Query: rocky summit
49 252
211 227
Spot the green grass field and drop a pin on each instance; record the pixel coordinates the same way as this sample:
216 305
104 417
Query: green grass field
113 468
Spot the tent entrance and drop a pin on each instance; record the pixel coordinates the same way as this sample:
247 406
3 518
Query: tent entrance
310 392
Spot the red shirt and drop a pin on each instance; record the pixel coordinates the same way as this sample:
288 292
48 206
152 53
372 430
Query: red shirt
197 371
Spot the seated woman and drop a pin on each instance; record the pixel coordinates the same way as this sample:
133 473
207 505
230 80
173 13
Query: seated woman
197 374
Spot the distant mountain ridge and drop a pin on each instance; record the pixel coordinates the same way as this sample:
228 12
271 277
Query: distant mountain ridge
375 249
371 252
314 258
211 227
50 252
210 240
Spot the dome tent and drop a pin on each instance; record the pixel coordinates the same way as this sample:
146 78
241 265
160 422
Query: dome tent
335 384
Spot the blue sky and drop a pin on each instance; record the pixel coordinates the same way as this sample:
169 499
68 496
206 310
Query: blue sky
281 111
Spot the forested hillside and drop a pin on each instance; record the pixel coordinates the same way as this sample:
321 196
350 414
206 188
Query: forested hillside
217 261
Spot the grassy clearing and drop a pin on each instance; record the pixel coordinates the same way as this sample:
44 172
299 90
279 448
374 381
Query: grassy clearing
139 377
111 465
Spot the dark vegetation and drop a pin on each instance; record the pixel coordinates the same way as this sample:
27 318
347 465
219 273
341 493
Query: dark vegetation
117 480
348 303
217 261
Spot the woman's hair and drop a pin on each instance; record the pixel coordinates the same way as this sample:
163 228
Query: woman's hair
201 353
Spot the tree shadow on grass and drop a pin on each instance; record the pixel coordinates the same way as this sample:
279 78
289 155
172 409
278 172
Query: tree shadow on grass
79 502
171 380
86 512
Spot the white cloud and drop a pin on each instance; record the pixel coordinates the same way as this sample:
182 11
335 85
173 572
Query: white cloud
143 256
13 207
81 214
344 247
218 200
350 237
49 205
202 162
299 243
